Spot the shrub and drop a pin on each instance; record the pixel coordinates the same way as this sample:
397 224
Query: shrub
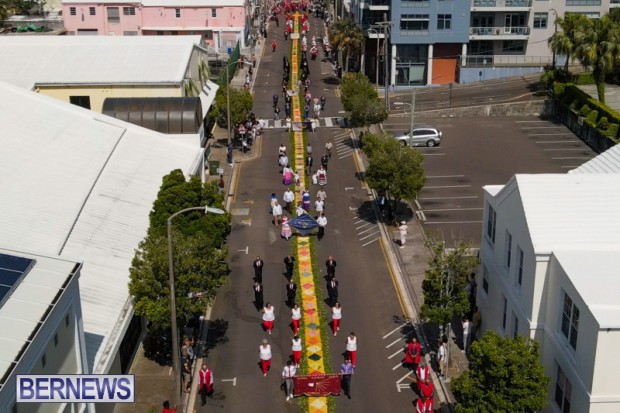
603 123
585 78
612 130
585 110
592 117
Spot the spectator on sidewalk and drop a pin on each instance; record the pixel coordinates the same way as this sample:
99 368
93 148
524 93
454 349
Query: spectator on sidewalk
167 408
402 229
467 327
442 360
206 383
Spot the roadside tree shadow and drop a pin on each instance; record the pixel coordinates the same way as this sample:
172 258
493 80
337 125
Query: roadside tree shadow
216 334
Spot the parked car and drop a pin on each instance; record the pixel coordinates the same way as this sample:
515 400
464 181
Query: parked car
422 136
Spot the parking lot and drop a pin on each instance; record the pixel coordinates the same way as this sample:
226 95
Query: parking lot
484 151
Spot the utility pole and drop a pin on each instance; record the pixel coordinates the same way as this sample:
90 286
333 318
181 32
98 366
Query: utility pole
412 114
385 61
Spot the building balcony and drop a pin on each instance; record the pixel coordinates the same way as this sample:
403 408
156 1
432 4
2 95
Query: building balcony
501 5
376 4
614 3
499 33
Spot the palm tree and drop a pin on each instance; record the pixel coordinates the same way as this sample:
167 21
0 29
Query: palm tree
597 46
563 42
346 36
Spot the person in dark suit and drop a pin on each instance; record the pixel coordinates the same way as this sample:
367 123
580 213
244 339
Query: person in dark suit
258 270
331 267
332 291
291 290
289 263
258 295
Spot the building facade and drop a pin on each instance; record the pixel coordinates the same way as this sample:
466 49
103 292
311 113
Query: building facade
549 272
220 25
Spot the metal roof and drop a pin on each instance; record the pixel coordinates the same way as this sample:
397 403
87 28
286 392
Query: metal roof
594 274
563 211
81 184
607 162
72 60
29 305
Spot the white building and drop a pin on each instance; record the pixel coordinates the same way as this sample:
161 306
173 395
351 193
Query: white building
549 270
40 323
80 185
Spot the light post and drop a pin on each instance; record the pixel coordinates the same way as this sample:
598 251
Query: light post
228 95
385 28
176 362
555 30
376 33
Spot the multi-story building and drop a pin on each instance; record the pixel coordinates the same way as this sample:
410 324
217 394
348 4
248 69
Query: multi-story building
220 25
446 41
549 271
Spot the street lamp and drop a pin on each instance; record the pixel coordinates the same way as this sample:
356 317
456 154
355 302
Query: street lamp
176 362
228 94
376 33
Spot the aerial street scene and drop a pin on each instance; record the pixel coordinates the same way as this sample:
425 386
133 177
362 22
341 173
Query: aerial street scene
309 206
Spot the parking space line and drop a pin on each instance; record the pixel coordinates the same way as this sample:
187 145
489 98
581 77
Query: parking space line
398 366
345 156
432 198
398 340
564 141
451 222
563 149
452 209
366 230
368 236
447 186
395 354
573 157
362 226
531 121
444 176
570 166
552 134
371 241
392 332
541 127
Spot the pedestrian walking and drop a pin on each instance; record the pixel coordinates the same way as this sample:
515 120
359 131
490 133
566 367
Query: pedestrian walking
318 206
276 113
273 45
427 390
281 150
306 111
268 317
309 162
309 149
286 232
331 267
296 348
336 317
289 198
413 351
277 213
322 221
422 372
229 154
258 295
253 60
332 290
328 149
305 200
323 100
324 160
346 371
289 266
467 327
291 291
206 383
258 268
295 318
322 195
221 184
441 357
288 373
402 229
264 353
352 348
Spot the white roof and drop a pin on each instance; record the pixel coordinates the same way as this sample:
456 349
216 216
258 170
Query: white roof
607 162
81 184
564 211
594 274
31 60
30 301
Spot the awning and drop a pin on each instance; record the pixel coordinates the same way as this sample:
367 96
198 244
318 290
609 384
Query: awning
207 96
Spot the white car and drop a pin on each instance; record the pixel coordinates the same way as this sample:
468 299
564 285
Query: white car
422 136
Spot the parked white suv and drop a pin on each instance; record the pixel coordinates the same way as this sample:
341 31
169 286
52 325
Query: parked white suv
421 136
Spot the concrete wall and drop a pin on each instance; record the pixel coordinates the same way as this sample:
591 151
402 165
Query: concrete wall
596 140
533 108
477 74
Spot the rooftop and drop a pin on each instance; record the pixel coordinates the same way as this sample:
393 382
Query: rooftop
31 60
80 184
594 274
607 162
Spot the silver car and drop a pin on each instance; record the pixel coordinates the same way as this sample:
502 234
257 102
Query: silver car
422 136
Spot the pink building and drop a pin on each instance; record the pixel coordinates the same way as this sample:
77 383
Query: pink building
220 23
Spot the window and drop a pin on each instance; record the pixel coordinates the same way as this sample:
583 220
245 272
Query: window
72 11
92 11
570 321
43 361
129 11
177 13
491 222
540 20
563 391
485 279
209 35
55 339
414 22
444 21
83 101
504 315
508 249
583 2
513 46
515 325
213 12
520 270
113 16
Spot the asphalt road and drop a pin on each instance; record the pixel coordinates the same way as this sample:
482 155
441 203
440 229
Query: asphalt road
370 304
484 151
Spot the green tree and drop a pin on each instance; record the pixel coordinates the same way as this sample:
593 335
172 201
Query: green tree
347 36
199 252
354 87
368 112
505 376
598 47
392 169
445 297
241 103
564 41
